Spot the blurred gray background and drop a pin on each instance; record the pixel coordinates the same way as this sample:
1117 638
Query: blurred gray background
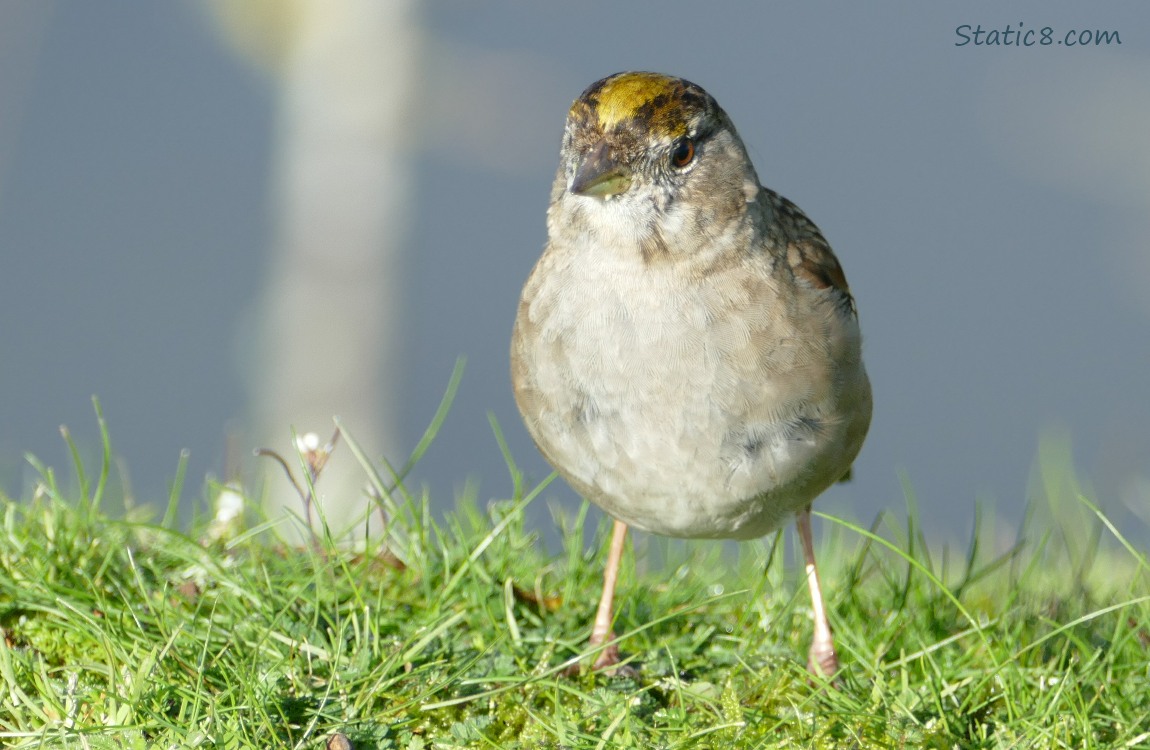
990 204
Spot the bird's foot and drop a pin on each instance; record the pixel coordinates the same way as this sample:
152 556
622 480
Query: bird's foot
607 661
608 658
823 662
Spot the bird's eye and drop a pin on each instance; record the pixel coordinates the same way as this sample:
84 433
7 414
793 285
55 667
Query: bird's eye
682 153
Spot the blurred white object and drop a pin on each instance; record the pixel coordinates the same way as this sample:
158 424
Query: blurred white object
326 340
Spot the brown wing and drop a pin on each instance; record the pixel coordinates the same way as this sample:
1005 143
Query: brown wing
811 259
807 252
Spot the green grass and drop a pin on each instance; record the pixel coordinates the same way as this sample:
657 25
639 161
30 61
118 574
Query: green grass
124 633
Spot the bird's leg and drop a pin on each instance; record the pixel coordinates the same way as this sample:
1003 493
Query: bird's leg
822 661
601 630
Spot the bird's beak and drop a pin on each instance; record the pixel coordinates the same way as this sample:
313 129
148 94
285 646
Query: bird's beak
600 175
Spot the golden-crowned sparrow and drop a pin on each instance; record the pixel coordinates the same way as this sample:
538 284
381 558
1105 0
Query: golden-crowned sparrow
686 351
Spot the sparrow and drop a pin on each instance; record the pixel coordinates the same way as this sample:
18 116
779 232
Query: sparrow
686 352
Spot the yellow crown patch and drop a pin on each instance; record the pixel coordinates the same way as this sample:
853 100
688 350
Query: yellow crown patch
659 102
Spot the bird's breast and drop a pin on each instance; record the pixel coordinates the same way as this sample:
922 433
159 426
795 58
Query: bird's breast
684 406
